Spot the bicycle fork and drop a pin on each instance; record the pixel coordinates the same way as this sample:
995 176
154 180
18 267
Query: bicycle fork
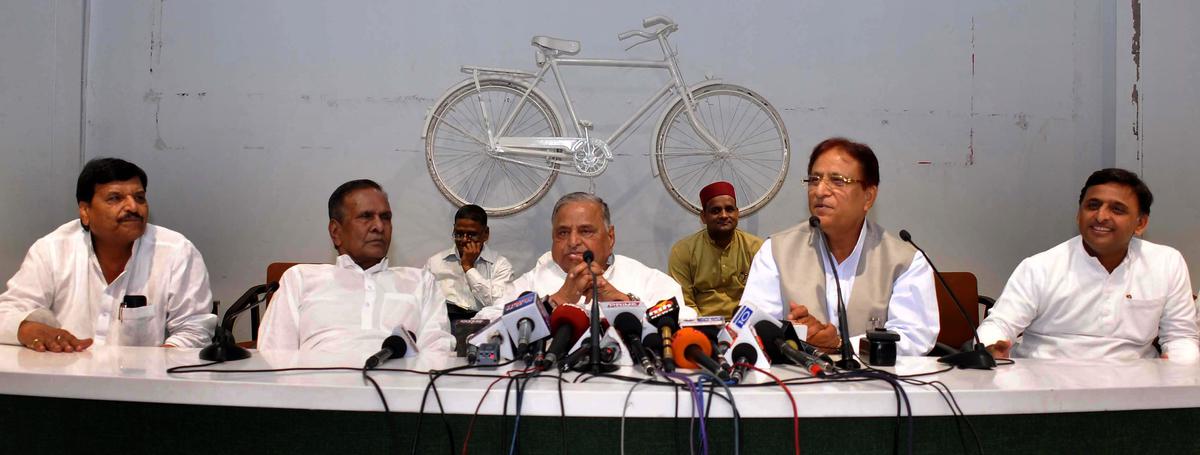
487 122
689 104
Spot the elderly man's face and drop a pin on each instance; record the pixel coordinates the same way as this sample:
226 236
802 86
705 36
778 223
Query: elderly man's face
117 212
841 209
365 230
579 227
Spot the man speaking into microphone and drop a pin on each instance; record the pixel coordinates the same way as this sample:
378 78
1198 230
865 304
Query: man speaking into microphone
356 303
580 223
884 281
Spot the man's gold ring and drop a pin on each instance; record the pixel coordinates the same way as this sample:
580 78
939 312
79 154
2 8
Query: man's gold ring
58 338
35 341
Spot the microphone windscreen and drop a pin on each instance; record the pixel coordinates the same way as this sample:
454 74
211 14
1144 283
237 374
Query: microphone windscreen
905 236
814 221
589 256
569 315
397 345
767 334
688 336
627 323
744 352
664 313
653 341
710 331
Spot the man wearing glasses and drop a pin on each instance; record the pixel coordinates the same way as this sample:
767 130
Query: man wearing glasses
470 275
884 281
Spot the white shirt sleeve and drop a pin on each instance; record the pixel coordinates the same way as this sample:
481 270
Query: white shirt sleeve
280 328
661 286
1177 331
29 294
489 290
434 334
1015 309
762 284
511 292
190 322
913 309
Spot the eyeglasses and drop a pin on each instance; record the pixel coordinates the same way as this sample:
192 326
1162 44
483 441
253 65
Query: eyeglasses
465 236
835 180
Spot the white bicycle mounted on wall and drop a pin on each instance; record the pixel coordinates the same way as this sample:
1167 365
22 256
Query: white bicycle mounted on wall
495 140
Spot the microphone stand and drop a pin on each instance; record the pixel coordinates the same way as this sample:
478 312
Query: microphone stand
978 358
224 347
847 361
594 365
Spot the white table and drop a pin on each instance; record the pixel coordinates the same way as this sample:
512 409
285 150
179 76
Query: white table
1026 387
111 396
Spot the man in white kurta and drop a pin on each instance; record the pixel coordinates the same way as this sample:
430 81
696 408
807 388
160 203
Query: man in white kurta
884 281
354 304
581 222
69 289
60 284
1102 294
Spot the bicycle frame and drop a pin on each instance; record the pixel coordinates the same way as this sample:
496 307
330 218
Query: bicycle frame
537 145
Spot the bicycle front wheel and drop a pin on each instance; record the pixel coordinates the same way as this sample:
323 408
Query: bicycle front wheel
756 161
456 147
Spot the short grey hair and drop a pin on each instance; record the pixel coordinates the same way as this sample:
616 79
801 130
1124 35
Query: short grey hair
580 196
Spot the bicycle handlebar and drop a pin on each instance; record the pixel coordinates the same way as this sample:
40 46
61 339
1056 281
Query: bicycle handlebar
632 33
656 20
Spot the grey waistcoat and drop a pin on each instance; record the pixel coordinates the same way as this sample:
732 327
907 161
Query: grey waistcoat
883 259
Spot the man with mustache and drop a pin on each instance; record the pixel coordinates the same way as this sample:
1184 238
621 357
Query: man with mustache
712 264
1102 294
884 281
109 277
581 222
358 301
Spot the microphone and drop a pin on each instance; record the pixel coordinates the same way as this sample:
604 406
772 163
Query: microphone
778 347
525 321
743 354
224 347
652 343
847 361
978 358
595 365
693 350
524 330
630 329
393 347
568 322
663 315
610 351
718 347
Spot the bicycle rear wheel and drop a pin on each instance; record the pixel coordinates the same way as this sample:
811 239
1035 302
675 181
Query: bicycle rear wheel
745 123
456 147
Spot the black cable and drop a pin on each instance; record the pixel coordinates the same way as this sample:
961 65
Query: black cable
393 432
442 412
562 420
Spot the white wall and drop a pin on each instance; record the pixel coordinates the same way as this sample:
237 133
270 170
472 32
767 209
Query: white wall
41 70
1165 116
247 114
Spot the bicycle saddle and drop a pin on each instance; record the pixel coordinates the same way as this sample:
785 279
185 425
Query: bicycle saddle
567 47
